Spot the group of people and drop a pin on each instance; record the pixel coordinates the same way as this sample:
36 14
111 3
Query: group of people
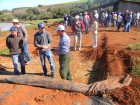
108 19
80 25
16 43
119 18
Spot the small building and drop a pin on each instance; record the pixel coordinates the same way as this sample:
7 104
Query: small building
131 5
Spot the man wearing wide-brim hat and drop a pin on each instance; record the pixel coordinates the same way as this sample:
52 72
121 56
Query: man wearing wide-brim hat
23 32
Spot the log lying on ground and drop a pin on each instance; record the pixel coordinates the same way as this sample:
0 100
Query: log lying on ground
54 83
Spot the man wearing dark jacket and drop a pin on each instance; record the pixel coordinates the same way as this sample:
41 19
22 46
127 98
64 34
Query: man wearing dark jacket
15 46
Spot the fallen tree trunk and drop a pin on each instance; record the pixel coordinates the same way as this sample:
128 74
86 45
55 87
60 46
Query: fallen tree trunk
54 83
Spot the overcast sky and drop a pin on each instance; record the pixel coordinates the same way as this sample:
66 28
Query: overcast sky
10 4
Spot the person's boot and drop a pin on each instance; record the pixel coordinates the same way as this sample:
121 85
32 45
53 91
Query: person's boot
23 70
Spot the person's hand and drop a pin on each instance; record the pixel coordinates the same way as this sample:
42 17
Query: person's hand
55 53
45 47
43 50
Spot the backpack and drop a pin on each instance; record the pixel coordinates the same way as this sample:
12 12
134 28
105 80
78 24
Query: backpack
20 31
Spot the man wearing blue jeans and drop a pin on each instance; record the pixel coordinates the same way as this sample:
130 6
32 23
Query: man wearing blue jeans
22 32
42 41
15 46
128 20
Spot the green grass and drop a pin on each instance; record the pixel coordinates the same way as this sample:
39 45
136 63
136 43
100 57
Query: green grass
35 22
136 68
4 51
78 1
135 46
4 34
133 0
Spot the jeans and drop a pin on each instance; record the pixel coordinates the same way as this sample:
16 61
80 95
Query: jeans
136 22
43 55
26 53
86 26
119 25
15 58
114 23
95 40
127 27
108 23
79 36
66 23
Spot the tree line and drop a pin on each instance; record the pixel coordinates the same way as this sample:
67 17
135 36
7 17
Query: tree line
35 13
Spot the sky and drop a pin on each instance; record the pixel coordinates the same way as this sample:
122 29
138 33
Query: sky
10 4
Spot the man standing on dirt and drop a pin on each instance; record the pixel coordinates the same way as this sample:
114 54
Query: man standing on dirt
78 29
42 40
22 32
15 46
128 21
86 21
63 52
95 31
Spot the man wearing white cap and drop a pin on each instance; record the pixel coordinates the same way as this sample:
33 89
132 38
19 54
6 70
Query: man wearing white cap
22 32
78 29
63 52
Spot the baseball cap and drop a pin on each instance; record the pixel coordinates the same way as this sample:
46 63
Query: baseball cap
60 27
80 14
127 10
41 25
15 20
12 29
76 17
119 13
95 11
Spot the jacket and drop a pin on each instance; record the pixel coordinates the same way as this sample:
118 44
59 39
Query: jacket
79 27
15 44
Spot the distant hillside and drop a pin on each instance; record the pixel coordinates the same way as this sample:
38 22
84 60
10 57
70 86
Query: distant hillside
53 11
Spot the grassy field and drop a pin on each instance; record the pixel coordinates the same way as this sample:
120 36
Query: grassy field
35 22
135 46
78 1
133 0
136 60
4 51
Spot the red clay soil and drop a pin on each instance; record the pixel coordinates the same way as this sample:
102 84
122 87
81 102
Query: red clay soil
108 59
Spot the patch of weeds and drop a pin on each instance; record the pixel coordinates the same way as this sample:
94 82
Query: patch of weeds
4 52
135 46
4 34
136 67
